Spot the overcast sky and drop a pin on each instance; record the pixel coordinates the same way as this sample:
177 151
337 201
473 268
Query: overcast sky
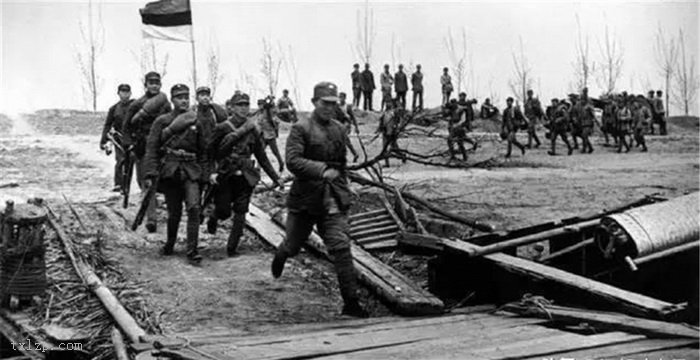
39 41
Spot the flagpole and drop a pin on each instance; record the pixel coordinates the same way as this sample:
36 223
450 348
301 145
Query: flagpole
194 57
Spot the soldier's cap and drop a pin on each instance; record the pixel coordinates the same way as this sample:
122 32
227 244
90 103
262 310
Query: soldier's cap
179 89
356 65
462 94
285 91
202 89
152 75
509 99
240 98
326 91
555 100
529 91
123 87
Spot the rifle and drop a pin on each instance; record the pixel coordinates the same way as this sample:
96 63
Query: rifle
114 141
150 194
128 173
207 198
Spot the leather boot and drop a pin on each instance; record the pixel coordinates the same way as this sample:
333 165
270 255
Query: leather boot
278 263
347 281
193 236
236 232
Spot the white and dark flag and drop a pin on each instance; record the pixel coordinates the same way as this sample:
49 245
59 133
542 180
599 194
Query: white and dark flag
167 20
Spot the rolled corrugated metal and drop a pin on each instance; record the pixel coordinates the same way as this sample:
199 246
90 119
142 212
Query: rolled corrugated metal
648 229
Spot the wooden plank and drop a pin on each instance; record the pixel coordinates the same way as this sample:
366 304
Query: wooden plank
367 214
420 241
652 328
544 346
377 238
618 351
13 333
344 342
626 301
371 220
382 245
390 210
401 293
367 233
453 345
374 225
684 353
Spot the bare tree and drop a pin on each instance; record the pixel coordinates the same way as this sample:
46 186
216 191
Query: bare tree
366 33
458 57
522 74
214 74
88 53
666 56
150 60
271 62
290 67
687 82
396 58
610 67
493 94
584 67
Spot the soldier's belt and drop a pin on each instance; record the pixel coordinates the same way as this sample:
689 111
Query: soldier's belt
180 155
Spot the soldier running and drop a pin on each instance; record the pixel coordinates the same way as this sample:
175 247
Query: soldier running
176 156
113 128
235 176
269 124
142 114
558 125
389 127
320 193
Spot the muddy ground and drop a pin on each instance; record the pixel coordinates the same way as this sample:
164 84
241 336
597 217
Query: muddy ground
54 153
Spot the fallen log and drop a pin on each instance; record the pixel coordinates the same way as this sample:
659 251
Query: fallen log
651 328
120 352
9 185
479 225
623 300
406 297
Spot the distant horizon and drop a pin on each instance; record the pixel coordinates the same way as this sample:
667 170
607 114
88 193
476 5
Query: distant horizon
39 69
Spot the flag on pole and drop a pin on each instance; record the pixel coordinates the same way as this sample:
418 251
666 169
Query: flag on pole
167 20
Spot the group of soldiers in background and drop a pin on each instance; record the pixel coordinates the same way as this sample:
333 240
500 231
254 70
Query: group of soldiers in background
204 153
363 87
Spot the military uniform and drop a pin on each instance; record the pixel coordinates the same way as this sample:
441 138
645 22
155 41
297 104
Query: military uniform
389 127
233 144
559 124
587 116
457 129
640 122
269 127
209 115
176 154
401 87
417 87
609 120
114 123
320 196
142 113
286 111
386 81
446 84
660 115
575 121
367 86
624 126
356 89
512 120
533 113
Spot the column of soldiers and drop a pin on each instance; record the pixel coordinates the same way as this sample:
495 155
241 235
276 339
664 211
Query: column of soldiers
183 150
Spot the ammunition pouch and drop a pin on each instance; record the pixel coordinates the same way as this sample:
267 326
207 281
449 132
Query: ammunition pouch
239 165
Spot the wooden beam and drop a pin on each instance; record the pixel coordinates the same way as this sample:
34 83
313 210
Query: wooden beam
120 352
650 328
15 335
626 301
533 238
566 250
393 287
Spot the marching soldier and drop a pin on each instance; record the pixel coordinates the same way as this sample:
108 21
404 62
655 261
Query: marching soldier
624 124
401 86
269 124
660 112
575 118
113 127
651 100
558 125
367 86
346 117
457 128
235 176
386 81
356 89
389 127
512 120
320 193
208 113
609 120
417 87
641 115
533 113
142 113
587 118
285 108
176 156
